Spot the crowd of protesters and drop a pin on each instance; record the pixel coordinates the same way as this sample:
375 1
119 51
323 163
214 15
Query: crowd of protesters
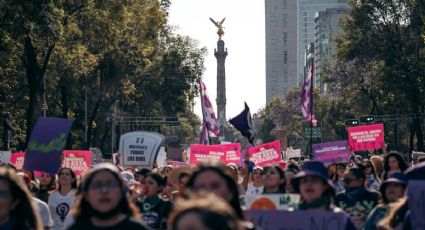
370 193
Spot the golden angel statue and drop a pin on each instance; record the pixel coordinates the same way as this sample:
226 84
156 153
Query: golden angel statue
220 27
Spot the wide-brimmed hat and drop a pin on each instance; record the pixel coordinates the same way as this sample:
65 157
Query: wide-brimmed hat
312 168
396 177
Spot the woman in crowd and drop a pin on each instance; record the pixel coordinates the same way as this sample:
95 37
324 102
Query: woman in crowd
102 202
45 186
292 168
255 187
372 180
316 190
17 211
154 209
378 165
60 201
393 162
338 178
391 190
208 213
274 180
212 178
332 170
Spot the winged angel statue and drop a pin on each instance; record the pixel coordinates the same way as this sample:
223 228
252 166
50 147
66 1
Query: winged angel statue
220 27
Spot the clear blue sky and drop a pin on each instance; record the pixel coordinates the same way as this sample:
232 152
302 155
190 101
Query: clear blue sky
244 38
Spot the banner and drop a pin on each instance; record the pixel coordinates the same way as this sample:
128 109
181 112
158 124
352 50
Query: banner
332 152
272 202
140 148
77 160
230 153
292 153
416 195
265 154
18 159
366 137
5 157
47 141
299 220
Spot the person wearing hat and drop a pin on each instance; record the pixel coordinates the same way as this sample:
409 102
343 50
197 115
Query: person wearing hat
392 190
316 189
255 186
102 202
357 201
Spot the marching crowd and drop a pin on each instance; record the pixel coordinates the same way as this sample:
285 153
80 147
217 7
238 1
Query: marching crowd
371 193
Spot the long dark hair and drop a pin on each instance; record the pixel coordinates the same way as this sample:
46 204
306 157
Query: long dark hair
230 182
282 186
161 181
82 209
25 213
401 162
73 175
365 165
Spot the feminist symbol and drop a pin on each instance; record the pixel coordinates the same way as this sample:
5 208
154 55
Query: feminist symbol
62 210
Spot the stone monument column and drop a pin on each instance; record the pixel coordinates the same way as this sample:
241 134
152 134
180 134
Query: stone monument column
220 54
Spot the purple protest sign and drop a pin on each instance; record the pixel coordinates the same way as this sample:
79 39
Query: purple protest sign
331 152
416 194
300 220
47 141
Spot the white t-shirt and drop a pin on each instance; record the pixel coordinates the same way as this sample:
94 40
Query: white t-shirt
46 217
59 208
254 191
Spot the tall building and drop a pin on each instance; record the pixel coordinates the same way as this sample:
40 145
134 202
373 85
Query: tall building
327 27
281 47
306 26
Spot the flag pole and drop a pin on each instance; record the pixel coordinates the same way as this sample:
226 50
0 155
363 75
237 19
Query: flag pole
203 112
311 60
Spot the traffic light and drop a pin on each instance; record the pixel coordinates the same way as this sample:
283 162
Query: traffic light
352 122
367 119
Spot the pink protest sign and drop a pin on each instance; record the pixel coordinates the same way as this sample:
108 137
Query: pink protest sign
227 153
18 159
366 137
77 160
265 154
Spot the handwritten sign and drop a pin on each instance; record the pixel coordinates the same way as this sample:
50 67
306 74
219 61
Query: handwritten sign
140 148
5 157
18 159
366 137
292 153
272 202
416 194
299 220
332 152
265 154
47 141
227 153
77 160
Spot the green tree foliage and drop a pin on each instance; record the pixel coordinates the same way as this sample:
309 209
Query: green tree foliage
121 51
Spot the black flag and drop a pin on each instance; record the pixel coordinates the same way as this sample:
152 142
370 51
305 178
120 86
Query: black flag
243 123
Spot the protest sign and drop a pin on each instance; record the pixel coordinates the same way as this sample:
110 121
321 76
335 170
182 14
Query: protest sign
140 148
292 153
416 195
18 159
228 153
265 154
116 158
96 156
5 157
272 201
47 141
332 152
77 160
174 154
177 164
299 220
161 157
366 137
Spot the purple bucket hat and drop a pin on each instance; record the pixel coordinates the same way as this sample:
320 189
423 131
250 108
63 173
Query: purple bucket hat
312 168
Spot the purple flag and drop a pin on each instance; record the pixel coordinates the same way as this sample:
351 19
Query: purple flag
47 141
209 123
307 95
